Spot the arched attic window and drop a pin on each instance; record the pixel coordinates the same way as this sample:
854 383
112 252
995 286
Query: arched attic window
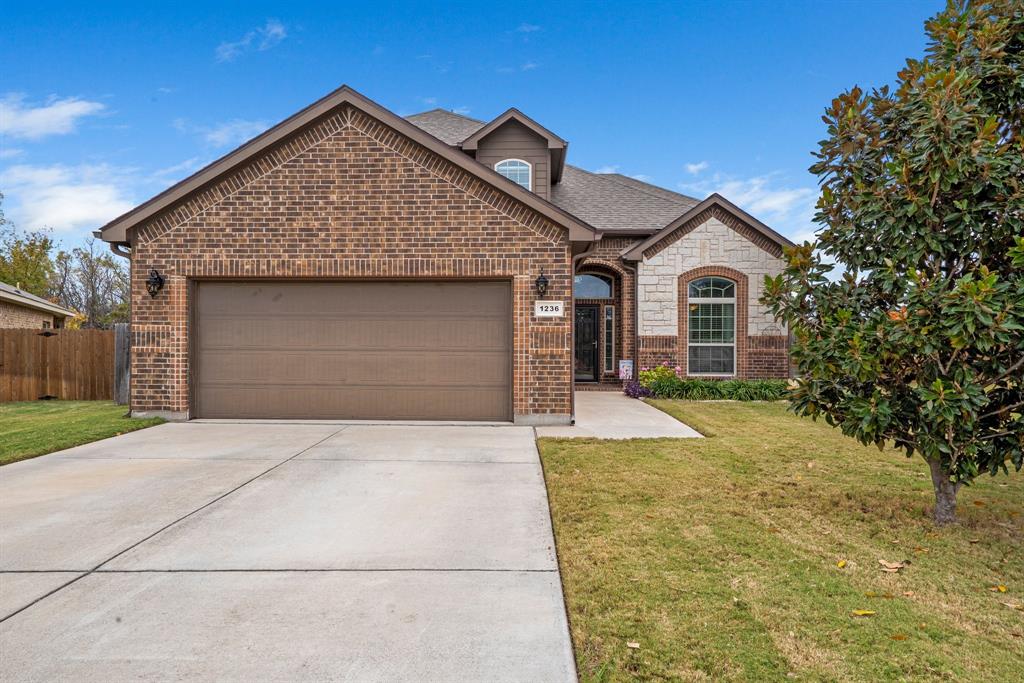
516 170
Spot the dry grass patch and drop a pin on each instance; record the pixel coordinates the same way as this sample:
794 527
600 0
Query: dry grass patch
719 557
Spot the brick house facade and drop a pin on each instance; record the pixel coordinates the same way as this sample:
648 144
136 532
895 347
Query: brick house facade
345 191
19 309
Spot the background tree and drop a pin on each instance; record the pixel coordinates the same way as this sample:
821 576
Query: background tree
920 342
25 258
93 283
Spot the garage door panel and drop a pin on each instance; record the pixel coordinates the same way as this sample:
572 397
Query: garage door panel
353 350
303 332
354 403
226 367
350 299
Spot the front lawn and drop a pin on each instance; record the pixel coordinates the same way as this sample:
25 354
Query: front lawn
720 557
32 428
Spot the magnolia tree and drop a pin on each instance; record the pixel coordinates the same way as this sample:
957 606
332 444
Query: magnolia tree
919 341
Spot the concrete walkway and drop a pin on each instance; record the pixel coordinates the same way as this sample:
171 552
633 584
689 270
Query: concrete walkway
282 552
611 415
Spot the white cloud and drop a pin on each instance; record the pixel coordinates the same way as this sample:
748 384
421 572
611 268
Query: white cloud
789 210
261 39
65 198
178 171
233 132
461 110
526 66
642 178
608 168
429 100
527 28
58 116
694 169
9 153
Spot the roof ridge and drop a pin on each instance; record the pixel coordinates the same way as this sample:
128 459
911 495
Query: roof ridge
446 111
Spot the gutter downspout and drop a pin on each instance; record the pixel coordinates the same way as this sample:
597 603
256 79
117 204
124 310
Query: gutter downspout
636 316
572 336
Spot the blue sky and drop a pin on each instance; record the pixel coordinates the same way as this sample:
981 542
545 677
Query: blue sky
103 105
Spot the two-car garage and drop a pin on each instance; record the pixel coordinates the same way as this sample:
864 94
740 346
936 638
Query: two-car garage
400 350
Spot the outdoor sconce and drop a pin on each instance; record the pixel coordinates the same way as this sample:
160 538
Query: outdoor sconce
541 284
154 283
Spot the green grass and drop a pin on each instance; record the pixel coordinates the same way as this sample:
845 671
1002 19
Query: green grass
719 557
32 428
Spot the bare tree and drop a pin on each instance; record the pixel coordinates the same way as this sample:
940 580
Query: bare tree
93 283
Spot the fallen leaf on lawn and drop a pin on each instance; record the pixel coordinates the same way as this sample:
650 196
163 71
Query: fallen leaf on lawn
892 567
862 613
979 503
899 636
998 589
1014 605
908 594
772 530
871 594
919 550
633 645
841 563
974 540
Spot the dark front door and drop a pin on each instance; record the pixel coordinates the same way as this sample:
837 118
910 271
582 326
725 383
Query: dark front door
586 343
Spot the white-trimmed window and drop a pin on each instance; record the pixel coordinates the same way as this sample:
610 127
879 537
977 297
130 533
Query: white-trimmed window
516 170
711 327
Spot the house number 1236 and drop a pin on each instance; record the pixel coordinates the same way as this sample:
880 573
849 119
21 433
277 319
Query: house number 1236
548 309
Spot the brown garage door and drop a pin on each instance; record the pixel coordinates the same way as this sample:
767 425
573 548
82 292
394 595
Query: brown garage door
354 350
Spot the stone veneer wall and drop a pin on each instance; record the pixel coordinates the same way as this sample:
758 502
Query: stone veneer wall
711 242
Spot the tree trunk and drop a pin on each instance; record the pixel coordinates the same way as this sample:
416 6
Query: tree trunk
945 493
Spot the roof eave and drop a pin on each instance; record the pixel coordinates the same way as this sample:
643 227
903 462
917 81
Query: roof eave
26 302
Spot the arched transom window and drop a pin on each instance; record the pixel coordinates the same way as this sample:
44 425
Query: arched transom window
590 286
711 327
516 170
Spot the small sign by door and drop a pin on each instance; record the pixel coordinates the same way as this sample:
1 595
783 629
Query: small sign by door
625 369
549 309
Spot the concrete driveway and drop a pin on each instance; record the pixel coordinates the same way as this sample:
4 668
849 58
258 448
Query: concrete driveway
283 552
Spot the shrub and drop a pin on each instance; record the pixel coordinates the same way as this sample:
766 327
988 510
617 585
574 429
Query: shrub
664 381
633 389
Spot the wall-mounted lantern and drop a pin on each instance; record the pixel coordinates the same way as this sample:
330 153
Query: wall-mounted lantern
154 283
542 284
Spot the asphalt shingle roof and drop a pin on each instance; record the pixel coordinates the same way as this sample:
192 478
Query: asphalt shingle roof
445 125
607 201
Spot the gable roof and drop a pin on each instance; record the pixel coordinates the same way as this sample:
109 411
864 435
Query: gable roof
19 297
608 201
615 203
714 201
445 125
116 231
555 144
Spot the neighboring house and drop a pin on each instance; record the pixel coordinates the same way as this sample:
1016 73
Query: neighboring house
21 309
351 263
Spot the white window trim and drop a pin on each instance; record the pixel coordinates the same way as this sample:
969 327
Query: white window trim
735 313
529 167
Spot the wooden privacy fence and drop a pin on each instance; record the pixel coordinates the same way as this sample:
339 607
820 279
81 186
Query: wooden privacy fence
66 364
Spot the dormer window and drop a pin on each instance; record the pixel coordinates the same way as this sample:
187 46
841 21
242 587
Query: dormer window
516 170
